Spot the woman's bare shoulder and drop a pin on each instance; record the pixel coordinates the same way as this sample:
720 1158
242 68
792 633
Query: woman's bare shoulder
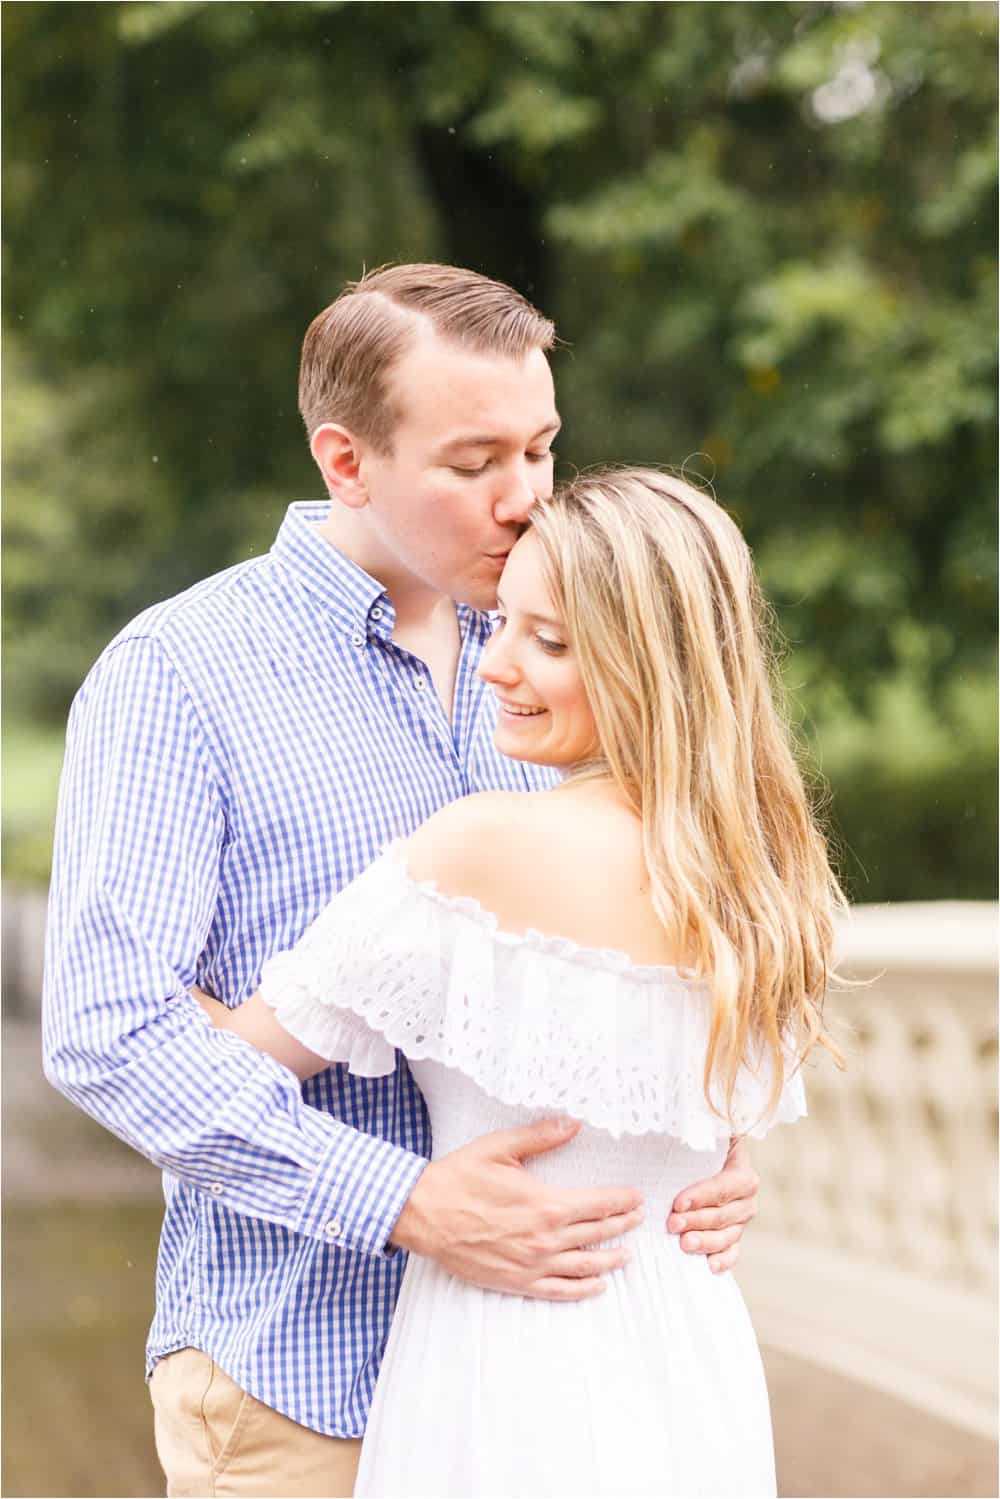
535 859
547 861
462 843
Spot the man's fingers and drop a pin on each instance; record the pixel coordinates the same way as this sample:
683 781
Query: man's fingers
554 1288
594 1209
579 1235
720 1263
733 1185
585 1264
529 1140
727 1216
710 1243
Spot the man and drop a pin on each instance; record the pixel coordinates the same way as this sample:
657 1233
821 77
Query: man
236 756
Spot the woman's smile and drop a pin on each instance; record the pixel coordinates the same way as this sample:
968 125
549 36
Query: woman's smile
519 710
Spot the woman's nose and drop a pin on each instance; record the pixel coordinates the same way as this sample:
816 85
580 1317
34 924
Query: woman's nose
495 664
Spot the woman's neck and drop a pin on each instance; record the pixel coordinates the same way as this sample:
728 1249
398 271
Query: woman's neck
594 782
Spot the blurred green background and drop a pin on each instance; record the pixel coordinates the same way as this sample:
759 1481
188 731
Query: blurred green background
766 232
767 235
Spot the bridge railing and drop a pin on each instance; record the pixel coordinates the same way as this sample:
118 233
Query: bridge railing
875 1251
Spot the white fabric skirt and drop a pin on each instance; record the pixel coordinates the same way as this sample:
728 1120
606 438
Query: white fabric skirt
653 1388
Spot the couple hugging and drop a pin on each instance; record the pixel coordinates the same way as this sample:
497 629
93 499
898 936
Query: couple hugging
462 825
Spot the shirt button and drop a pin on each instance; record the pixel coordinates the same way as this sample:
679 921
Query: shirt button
376 612
216 1189
332 1230
419 684
357 638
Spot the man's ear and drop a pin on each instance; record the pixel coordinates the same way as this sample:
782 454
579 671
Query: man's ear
338 454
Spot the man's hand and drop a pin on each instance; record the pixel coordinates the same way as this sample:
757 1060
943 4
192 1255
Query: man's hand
482 1216
711 1216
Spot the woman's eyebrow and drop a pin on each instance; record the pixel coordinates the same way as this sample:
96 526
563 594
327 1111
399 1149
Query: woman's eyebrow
539 619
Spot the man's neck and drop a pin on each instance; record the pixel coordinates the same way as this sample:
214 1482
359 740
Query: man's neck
418 608
426 621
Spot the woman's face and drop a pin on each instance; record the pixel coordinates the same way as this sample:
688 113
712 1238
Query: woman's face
544 715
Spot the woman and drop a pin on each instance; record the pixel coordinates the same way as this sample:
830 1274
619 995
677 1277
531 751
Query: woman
645 948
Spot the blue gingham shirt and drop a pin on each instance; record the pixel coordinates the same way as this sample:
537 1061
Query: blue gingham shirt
236 756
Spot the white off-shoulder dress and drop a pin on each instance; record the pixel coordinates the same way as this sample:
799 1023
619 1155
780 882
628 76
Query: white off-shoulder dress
653 1388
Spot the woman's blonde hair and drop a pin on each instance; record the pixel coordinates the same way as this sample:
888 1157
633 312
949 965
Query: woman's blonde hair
676 648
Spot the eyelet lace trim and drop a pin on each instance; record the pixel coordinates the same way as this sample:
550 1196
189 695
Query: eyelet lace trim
606 959
536 1021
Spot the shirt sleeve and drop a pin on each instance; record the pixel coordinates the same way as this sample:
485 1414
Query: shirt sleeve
140 830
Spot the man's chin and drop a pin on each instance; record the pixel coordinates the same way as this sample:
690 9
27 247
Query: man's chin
476 597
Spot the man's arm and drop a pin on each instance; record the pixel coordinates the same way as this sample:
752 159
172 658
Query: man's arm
478 1211
140 830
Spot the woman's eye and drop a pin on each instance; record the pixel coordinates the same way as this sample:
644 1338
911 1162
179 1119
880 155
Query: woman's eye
554 647
471 472
541 457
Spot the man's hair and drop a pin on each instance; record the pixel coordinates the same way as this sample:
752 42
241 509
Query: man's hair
352 346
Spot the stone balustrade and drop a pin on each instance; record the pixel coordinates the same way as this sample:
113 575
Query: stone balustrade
875 1251
897 1160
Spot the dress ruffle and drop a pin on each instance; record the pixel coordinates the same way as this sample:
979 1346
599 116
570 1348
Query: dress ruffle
536 1021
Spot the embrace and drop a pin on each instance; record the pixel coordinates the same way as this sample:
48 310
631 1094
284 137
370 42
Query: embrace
437 902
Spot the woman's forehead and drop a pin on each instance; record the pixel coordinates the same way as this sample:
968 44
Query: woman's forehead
523 583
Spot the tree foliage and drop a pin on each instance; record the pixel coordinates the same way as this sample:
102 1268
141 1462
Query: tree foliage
766 231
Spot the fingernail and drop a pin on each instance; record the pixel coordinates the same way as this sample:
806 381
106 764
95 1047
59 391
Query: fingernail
681 1225
714 1267
684 1204
694 1242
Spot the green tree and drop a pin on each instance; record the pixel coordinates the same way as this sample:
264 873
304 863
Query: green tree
766 230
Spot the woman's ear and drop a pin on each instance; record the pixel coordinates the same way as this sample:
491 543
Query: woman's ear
338 456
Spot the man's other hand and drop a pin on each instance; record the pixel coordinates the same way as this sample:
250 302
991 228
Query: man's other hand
711 1216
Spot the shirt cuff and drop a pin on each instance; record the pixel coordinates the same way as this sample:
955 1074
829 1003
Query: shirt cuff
360 1189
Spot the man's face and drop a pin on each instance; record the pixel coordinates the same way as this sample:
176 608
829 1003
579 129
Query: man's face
471 453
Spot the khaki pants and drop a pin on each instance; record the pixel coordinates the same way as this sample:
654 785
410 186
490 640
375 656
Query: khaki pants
212 1438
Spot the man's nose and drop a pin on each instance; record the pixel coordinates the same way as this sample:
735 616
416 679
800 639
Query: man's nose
516 503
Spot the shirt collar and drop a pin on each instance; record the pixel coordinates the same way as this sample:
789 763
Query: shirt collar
357 602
